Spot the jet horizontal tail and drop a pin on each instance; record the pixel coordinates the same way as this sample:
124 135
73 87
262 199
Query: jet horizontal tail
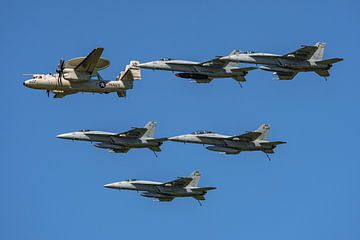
330 61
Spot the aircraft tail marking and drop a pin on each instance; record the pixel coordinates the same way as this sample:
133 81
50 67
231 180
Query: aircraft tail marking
319 53
151 127
196 178
264 130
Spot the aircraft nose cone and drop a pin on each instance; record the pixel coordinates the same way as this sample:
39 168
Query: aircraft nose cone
110 185
64 136
26 83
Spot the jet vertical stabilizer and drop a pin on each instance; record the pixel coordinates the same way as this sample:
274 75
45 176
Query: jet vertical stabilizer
196 178
151 127
319 53
264 129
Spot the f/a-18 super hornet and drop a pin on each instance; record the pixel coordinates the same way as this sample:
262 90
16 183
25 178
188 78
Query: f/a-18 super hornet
305 59
82 75
120 142
200 72
166 192
250 141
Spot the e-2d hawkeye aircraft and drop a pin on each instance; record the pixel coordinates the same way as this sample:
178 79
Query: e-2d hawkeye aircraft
120 142
250 141
166 192
76 75
201 72
285 67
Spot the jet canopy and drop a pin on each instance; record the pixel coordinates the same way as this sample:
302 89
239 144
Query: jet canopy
131 179
84 130
202 132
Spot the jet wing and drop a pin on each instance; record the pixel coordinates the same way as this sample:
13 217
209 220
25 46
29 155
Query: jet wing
303 53
135 133
90 63
285 75
215 63
180 182
249 136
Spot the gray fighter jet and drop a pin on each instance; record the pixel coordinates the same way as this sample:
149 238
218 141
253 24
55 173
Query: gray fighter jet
200 72
166 192
250 141
120 142
285 67
82 75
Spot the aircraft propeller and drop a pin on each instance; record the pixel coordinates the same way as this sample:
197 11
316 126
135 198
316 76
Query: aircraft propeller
60 70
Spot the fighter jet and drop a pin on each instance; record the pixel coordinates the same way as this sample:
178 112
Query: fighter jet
285 67
200 72
120 142
77 75
250 141
166 192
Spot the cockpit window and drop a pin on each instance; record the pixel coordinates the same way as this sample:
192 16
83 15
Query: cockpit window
131 179
166 59
201 132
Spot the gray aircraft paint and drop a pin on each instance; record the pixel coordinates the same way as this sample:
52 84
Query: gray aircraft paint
119 142
200 72
165 192
305 59
251 141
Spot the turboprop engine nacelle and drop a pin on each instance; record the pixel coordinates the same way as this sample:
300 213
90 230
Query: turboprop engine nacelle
225 150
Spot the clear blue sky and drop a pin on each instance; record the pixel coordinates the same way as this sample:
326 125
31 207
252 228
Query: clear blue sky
53 189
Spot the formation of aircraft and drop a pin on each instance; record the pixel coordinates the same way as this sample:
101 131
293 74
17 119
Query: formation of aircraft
250 141
82 75
77 75
166 191
120 142
144 138
286 66
201 72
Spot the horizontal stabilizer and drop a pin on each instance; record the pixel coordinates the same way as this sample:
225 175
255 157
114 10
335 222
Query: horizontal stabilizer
272 143
200 197
323 73
155 149
205 189
329 61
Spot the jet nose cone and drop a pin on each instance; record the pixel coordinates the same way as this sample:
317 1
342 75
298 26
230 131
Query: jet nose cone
64 136
110 185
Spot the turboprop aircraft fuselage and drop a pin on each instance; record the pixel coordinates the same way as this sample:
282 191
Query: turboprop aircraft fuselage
52 83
